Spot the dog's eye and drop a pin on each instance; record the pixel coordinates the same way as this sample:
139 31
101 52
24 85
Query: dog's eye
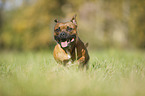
57 30
69 29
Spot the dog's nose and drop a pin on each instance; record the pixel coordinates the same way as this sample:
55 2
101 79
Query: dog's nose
63 35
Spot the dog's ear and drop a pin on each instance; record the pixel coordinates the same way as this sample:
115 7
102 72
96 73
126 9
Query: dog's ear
73 20
86 45
56 21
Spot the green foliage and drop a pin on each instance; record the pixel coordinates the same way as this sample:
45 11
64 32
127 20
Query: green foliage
110 73
137 25
29 26
102 23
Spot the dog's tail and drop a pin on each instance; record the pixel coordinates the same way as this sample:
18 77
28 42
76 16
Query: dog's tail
86 45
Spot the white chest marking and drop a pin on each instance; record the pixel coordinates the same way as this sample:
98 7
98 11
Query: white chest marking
69 55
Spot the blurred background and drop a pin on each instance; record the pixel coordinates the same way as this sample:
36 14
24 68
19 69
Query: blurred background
28 24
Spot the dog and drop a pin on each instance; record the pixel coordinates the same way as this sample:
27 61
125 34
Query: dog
68 43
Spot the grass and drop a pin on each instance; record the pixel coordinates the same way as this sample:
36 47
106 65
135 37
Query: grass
111 73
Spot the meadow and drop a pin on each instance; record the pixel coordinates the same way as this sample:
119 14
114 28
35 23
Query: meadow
110 73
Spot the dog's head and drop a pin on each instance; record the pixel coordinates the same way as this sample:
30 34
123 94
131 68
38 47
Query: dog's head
65 33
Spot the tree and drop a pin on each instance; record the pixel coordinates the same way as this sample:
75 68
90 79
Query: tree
1 13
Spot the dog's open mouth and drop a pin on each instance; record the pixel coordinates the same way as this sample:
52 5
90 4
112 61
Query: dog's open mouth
66 43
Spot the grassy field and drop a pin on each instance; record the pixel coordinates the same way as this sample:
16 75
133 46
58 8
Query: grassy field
111 73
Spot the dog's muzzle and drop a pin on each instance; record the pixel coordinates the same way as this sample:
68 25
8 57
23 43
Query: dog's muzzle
63 36
64 39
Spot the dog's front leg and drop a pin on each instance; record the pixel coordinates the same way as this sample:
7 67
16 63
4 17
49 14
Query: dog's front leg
82 54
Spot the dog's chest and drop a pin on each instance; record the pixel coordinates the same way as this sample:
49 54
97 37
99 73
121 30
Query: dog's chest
68 53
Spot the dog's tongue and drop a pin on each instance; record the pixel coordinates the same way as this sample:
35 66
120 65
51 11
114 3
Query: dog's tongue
64 44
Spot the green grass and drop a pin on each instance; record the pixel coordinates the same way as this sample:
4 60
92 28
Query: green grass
111 73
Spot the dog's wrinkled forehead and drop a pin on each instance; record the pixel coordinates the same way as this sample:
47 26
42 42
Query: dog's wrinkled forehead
65 25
